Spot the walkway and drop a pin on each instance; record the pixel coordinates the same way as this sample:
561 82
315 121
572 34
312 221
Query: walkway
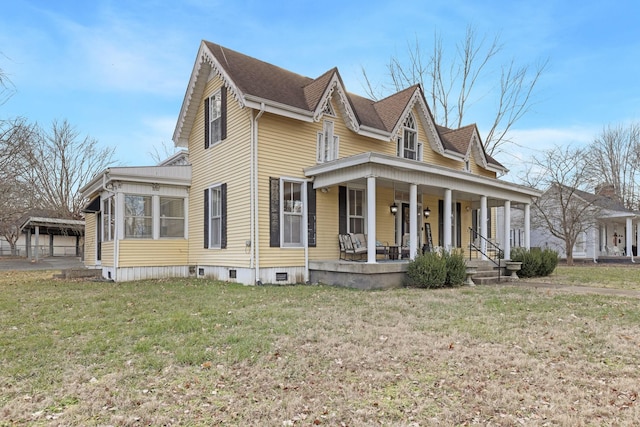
47 263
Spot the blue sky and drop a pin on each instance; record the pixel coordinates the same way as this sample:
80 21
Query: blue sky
118 70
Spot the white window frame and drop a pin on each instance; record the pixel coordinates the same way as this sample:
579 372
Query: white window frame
108 219
299 211
363 216
135 218
408 144
327 143
215 118
163 219
217 216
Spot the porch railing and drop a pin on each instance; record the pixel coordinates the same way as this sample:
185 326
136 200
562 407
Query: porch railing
491 250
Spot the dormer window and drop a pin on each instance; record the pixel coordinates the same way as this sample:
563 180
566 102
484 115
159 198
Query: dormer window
327 143
408 145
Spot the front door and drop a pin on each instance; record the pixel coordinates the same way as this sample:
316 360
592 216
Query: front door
406 216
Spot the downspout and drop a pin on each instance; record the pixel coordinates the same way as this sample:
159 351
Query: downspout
254 197
116 245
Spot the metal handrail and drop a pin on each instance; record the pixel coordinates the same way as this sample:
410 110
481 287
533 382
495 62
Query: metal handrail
493 251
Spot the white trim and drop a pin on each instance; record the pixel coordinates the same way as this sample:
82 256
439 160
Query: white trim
327 175
218 187
303 213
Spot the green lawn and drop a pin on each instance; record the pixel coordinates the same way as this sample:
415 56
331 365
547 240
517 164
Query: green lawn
198 352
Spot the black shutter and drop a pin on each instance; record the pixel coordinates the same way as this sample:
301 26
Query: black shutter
274 212
458 225
223 113
206 218
440 222
223 219
342 210
206 123
311 215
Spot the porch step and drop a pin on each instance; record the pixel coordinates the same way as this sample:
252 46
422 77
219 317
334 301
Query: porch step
487 274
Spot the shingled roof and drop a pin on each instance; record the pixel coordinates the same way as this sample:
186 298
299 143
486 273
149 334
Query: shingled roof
460 139
253 80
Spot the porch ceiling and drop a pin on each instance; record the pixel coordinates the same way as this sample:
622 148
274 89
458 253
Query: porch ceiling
431 179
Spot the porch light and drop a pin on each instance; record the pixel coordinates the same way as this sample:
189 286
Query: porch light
393 208
427 212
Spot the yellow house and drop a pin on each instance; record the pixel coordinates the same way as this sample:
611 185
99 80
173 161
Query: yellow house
281 165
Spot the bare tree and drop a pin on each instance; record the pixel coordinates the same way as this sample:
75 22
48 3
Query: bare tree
16 137
60 163
159 154
563 210
6 86
453 84
614 161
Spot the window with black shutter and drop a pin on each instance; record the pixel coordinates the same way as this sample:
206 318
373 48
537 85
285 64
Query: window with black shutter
215 214
274 212
215 118
311 215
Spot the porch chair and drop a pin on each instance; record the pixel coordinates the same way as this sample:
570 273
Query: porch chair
350 247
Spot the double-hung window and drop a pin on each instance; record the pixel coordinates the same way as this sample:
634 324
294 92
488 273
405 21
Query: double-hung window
292 194
138 217
408 145
215 217
356 210
171 217
215 118
327 143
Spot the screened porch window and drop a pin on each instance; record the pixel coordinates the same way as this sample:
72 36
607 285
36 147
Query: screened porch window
171 217
138 219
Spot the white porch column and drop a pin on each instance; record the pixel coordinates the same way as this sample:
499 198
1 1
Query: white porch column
413 220
371 219
527 226
507 229
37 243
629 236
446 233
483 226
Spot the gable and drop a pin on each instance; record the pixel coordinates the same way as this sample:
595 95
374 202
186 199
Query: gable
258 85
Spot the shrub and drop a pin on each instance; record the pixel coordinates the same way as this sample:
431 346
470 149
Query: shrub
549 262
456 268
427 270
535 263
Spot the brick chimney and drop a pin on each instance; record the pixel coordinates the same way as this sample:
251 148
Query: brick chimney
607 190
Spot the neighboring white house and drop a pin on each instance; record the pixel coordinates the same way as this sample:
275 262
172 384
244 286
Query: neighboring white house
610 228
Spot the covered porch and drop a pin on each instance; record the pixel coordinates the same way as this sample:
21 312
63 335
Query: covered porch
426 205
618 237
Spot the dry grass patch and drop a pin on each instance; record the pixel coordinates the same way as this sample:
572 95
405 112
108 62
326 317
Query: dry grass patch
195 352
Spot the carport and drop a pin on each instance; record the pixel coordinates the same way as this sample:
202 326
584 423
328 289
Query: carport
64 236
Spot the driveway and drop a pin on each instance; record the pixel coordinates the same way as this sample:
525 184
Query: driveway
47 263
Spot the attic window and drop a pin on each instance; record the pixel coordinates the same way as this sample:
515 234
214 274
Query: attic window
328 110
408 144
467 165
